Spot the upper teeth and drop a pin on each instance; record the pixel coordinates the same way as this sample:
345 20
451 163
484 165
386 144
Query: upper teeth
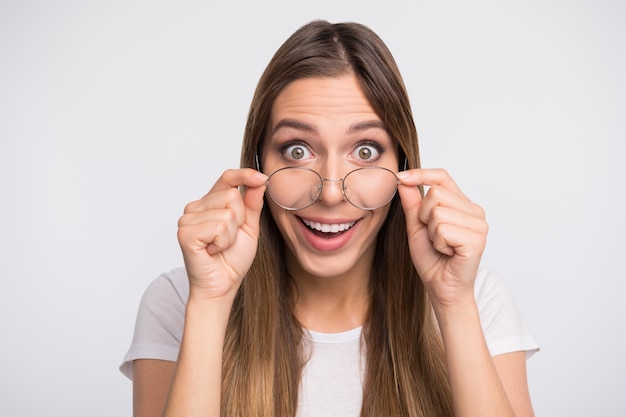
326 228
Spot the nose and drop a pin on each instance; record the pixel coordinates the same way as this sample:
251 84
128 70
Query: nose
332 191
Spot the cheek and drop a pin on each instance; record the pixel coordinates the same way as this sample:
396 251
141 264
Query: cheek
280 216
286 228
378 219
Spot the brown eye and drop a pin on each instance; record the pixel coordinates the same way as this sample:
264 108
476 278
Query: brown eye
297 153
368 151
365 153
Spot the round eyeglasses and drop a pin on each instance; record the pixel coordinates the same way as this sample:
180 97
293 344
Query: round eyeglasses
367 188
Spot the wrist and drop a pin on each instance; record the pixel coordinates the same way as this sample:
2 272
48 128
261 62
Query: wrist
458 313
213 310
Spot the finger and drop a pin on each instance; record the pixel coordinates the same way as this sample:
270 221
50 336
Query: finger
246 202
438 196
229 199
243 177
423 177
441 216
251 186
442 191
222 210
223 220
212 236
253 197
226 192
428 177
224 189
456 240
411 200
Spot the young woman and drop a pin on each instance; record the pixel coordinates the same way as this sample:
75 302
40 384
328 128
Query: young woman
319 279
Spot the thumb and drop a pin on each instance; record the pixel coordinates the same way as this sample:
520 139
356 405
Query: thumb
253 199
411 200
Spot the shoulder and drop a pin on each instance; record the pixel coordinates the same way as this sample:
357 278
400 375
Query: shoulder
489 285
503 326
493 296
163 303
160 320
170 287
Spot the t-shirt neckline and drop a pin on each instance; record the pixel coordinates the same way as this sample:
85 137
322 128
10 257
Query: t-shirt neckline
341 337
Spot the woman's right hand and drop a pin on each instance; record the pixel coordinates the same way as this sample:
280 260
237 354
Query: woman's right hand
218 234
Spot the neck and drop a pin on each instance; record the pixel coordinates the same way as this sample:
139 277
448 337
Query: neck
331 304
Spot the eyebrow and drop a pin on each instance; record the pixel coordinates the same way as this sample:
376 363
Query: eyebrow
296 124
370 124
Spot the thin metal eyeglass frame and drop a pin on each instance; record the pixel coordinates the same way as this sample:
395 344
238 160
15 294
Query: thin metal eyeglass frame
321 187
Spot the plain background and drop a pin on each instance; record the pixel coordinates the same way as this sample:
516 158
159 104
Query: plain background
115 114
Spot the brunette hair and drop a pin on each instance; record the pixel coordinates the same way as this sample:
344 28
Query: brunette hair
263 357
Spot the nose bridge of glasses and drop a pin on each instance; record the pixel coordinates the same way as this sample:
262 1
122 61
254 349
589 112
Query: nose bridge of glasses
330 193
339 181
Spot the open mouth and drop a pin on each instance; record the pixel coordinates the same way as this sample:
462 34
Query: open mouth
328 230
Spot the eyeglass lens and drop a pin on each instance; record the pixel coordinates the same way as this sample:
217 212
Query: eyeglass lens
295 188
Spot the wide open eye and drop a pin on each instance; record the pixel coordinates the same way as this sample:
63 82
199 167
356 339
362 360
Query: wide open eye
296 152
367 152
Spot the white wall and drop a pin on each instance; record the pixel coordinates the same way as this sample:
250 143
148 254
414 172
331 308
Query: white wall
114 114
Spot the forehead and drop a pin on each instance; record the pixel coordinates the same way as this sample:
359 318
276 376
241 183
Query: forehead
322 98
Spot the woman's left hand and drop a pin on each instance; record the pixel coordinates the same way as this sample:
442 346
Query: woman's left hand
447 234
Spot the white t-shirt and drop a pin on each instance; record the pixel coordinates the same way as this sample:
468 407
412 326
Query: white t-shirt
332 378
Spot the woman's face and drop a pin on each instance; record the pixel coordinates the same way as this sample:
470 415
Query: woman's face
328 125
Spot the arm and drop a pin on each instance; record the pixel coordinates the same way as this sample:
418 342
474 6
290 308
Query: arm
218 235
152 378
196 387
511 368
447 235
151 383
482 385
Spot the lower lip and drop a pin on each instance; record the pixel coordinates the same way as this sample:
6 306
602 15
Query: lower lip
328 243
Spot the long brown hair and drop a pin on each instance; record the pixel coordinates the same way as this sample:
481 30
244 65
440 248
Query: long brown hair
263 360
